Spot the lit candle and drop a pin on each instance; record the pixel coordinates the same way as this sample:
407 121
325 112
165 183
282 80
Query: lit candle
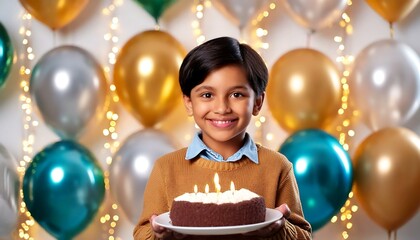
206 189
195 189
232 187
216 182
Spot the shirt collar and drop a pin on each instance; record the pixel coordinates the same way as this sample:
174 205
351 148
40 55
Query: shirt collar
199 148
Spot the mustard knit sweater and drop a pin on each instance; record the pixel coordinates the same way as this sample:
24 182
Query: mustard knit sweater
272 179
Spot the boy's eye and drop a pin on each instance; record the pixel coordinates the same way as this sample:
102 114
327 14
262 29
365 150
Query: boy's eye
206 95
237 95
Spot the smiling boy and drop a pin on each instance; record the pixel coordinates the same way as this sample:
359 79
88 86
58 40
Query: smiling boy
223 84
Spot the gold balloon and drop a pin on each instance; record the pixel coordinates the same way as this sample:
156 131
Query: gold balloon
146 75
393 10
387 176
304 90
53 13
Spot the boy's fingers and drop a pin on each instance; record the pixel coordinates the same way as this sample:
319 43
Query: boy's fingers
155 227
285 210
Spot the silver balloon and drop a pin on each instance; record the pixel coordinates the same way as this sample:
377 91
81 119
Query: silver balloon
315 14
385 83
131 167
239 11
70 90
9 190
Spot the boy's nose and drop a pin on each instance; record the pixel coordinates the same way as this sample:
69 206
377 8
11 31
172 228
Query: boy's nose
222 106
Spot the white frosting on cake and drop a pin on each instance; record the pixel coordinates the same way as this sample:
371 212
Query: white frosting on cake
218 198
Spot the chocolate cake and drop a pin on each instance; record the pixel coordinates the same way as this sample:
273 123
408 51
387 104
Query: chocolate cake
217 209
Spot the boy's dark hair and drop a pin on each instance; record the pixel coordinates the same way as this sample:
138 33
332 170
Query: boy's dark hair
218 53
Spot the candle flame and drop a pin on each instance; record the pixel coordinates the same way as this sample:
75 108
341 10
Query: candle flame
206 189
232 186
195 189
216 182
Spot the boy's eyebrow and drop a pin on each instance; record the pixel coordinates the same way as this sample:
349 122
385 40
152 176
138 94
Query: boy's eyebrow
211 88
203 88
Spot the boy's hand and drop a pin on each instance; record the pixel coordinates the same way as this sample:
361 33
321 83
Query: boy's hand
273 228
163 233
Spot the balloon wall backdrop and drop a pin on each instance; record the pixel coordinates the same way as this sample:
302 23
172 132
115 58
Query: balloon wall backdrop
387 176
70 90
132 165
63 188
54 14
304 90
385 83
146 75
9 192
323 171
6 54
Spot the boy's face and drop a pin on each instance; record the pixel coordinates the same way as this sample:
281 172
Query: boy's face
223 105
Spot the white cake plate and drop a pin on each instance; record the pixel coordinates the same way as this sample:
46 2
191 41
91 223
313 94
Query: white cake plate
271 216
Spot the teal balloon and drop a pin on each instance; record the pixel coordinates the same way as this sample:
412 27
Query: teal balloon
63 188
323 171
6 55
155 7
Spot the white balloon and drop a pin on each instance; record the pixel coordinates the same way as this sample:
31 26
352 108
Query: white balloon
315 14
131 167
9 192
69 88
385 83
239 11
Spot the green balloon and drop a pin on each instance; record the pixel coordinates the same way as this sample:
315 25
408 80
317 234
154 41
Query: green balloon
6 54
155 7
63 188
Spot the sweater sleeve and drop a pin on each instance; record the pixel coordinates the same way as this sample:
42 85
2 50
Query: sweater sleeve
155 202
296 227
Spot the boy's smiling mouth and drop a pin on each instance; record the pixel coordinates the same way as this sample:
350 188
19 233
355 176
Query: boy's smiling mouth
222 123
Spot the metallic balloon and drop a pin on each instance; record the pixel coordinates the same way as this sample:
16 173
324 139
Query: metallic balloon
9 192
393 10
6 55
239 12
55 14
304 90
146 75
387 176
132 165
385 83
155 7
323 171
70 90
315 14
63 188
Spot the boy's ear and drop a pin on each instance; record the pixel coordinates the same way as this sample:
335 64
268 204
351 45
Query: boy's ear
258 104
188 104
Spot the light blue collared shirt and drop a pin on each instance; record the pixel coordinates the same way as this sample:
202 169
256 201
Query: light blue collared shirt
198 148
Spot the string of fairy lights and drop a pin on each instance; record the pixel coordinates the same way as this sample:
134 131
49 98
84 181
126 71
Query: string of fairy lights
26 222
345 128
198 11
259 44
110 219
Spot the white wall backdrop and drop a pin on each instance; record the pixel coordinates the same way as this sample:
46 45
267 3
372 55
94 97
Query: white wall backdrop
88 30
